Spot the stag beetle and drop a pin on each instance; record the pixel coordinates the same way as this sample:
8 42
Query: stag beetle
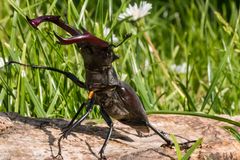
115 98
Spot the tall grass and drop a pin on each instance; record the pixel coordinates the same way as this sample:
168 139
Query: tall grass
201 34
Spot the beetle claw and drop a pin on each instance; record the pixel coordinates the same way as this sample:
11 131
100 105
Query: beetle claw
58 157
169 145
32 23
183 146
102 156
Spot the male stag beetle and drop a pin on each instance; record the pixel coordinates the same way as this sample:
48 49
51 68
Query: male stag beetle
115 98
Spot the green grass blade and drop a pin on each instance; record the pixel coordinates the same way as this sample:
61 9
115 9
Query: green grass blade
53 104
21 92
197 114
37 105
189 99
233 132
3 93
214 82
81 15
15 6
177 147
192 149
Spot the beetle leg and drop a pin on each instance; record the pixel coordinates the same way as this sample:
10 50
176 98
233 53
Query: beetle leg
65 133
169 143
161 134
110 124
67 74
75 116
73 125
56 20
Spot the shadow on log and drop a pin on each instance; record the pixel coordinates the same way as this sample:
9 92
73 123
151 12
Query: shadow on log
34 138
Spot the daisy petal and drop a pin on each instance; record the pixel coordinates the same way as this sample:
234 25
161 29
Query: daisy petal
134 12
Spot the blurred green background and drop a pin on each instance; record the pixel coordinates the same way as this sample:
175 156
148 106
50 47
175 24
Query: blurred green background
183 56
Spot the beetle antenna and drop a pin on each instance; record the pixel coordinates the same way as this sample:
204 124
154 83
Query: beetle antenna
128 35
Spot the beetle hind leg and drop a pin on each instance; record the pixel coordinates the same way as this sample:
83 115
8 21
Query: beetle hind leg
169 143
161 134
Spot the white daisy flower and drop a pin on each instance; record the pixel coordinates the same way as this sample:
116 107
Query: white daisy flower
1 62
182 68
106 31
134 12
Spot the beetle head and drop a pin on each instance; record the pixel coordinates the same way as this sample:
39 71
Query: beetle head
96 53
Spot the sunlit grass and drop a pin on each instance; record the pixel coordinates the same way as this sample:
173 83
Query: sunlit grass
197 33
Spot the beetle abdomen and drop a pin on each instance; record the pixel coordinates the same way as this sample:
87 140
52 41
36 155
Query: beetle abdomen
137 118
122 104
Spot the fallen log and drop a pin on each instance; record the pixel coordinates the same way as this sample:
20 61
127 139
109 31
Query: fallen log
35 138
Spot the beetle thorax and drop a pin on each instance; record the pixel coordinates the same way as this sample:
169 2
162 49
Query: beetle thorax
99 79
98 65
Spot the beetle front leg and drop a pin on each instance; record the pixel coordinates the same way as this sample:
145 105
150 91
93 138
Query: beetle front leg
69 129
67 74
73 124
75 116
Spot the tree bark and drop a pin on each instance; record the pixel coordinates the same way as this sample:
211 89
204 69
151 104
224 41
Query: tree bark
36 139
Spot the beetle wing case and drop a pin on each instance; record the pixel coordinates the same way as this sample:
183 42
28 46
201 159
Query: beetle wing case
137 117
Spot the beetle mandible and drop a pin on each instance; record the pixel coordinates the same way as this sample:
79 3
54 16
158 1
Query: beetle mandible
116 98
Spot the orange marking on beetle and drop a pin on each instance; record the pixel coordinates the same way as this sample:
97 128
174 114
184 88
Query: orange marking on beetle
90 94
